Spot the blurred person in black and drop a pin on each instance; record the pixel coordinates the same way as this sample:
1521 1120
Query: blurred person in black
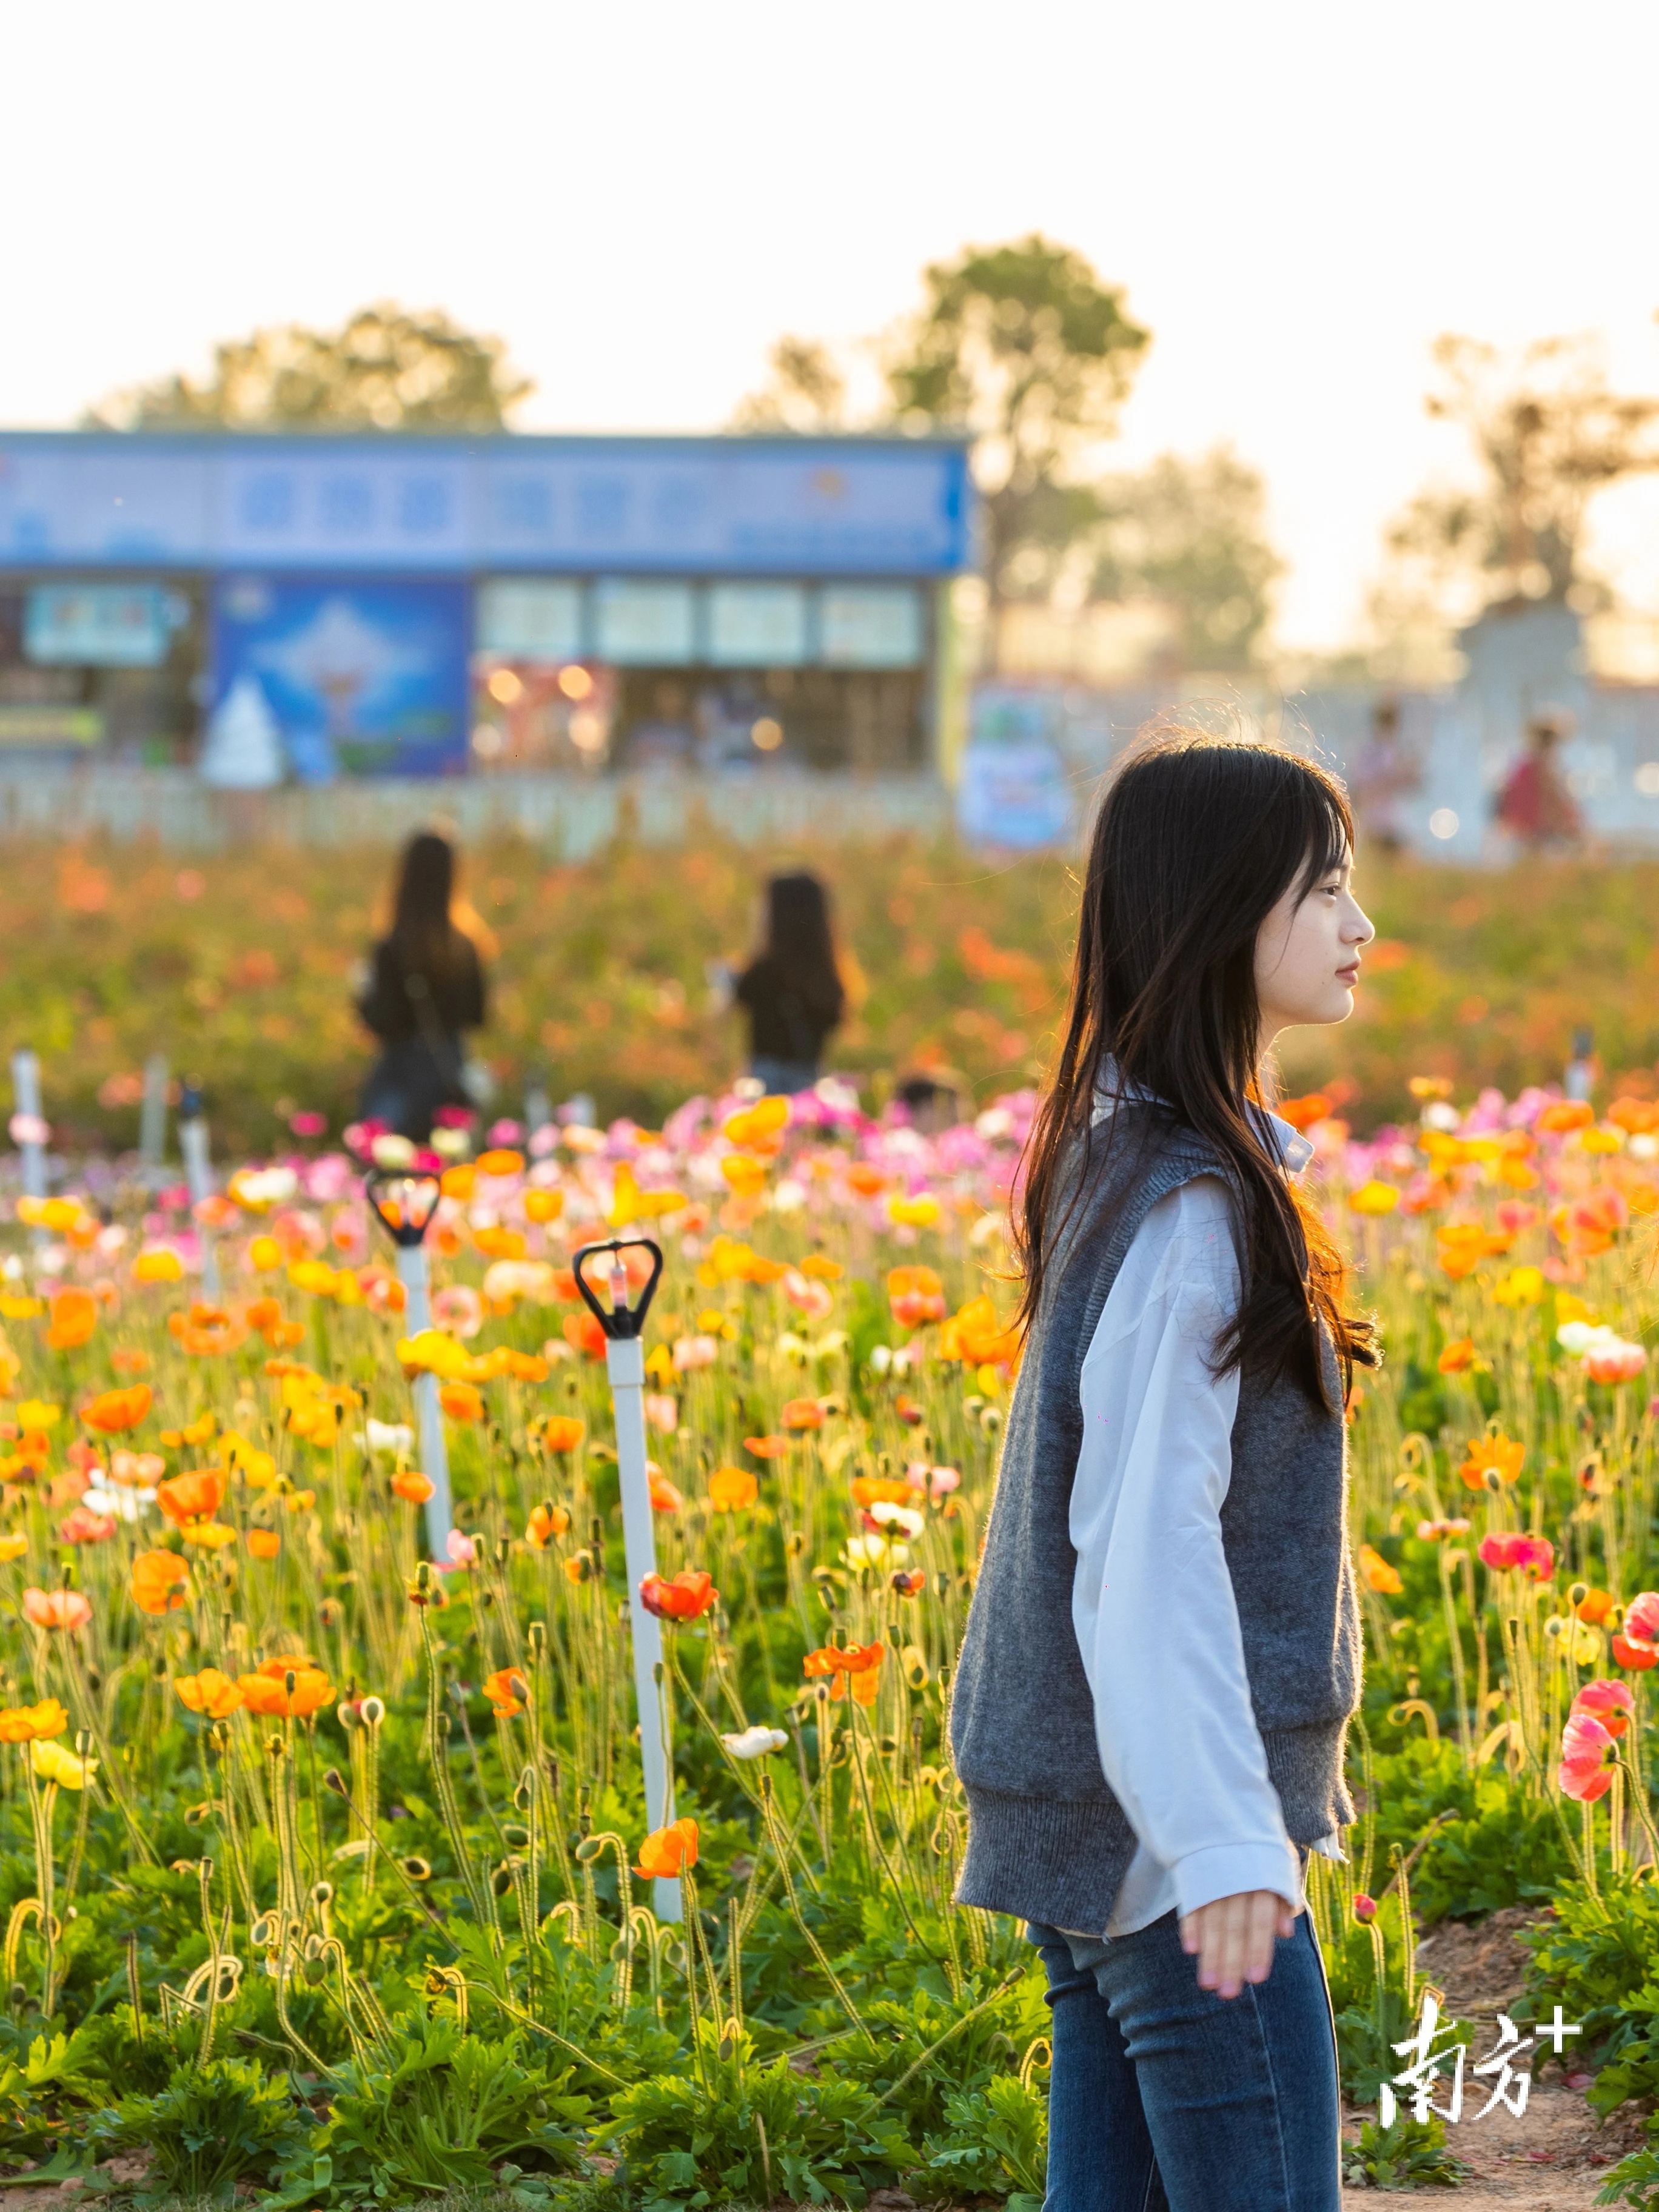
792 990
426 985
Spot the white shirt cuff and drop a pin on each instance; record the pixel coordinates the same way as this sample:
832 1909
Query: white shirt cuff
1226 1869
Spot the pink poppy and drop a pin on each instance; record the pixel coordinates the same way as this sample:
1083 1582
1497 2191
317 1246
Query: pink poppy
1508 1550
58 1608
1610 1703
459 1309
1585 1772
85 1526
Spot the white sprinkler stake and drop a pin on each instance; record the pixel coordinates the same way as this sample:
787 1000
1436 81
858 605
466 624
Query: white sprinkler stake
624 1364
193 1143
26 1099
403 1204
416 1278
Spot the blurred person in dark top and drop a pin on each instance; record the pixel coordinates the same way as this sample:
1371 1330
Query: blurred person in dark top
426 987
792 990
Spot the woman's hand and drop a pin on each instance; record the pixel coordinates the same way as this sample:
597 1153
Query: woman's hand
1234 1938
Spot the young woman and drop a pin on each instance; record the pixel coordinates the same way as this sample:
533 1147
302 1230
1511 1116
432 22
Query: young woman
1163 1652
792 990
426 988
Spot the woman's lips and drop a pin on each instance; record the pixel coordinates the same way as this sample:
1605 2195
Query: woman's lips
1350 974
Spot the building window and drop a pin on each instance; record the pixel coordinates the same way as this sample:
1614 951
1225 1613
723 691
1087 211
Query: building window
870 625
756 625
644 624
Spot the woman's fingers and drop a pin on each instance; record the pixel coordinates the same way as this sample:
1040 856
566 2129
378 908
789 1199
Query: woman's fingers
1236 1936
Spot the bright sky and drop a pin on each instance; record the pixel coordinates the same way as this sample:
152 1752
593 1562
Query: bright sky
1296 197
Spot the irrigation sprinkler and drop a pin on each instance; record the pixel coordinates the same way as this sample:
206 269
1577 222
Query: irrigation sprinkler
405 1202
538 1109
153 1117
193 1143
624 1364
28 1128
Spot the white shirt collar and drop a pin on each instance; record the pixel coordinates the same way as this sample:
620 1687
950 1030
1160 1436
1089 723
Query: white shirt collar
1294 1150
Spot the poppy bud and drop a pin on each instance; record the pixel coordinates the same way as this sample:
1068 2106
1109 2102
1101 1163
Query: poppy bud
373 1711
322 1893
416 1869
1364 1909
501 1881
518 1836
1578 1592
335 1780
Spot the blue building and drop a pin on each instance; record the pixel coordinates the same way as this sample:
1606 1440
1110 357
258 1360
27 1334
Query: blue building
424 606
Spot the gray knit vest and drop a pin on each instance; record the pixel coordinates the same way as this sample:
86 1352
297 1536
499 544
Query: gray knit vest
1047 1838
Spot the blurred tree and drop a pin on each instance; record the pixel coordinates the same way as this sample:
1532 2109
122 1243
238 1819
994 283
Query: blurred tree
1025 347
1549 432
1192 533
384 369
805 391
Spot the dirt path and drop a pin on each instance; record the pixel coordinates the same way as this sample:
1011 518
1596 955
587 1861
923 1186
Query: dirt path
1555 2157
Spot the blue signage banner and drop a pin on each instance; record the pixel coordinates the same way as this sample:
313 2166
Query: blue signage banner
782 506
369 678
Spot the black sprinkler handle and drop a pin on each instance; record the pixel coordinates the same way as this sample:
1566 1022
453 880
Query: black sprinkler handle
619 1321
414 1208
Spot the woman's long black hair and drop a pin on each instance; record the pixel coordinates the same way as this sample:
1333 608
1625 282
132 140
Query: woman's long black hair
1197 839
798 942
422 930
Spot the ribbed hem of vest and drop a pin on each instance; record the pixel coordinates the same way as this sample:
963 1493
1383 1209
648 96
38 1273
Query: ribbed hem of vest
1055 1860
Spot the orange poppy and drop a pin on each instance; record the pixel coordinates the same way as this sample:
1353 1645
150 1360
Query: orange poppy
74 1316
732 1489
462 1401
766 1447
116 1411
263 1543
687 1597
409 1483
160 1581
557 1432
202 1431
128 1359
267 1692
668 1851
664 1497
1500 1454
859 1663
207 1331
915 1295
195 1496
584 1333
502 1160
208 1692
879 1490
824 1271
32 1724
545 1522
1458 1357
543 1205
909 1582
506 1690
802 1413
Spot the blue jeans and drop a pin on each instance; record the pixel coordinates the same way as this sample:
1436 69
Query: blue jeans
1165 2097
784 1077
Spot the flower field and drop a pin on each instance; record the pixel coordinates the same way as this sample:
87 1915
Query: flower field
324 1865
238 967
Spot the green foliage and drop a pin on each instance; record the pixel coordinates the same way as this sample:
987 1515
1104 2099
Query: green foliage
1406 2155
385 369
1598 1959
996 2141
1503 1847
444 2112
1026 345
1635 2179
211 2127
754 2133
1193 534
43 2087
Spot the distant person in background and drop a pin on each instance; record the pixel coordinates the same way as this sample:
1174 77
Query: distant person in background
1384 773
426 987
1535 805
792 990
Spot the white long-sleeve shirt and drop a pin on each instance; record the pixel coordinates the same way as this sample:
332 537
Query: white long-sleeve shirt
1152 1599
